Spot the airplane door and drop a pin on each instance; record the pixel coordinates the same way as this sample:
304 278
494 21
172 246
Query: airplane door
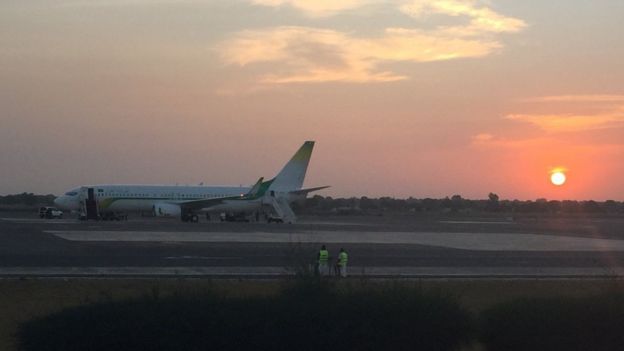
91 204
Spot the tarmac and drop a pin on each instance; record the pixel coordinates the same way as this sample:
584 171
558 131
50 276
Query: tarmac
463 241
388 247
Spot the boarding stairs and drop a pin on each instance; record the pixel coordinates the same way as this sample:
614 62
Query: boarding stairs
282 209
88 203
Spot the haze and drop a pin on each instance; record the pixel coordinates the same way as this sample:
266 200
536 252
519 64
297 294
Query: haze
422 98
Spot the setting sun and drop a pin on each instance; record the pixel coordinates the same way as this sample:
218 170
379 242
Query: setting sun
558 178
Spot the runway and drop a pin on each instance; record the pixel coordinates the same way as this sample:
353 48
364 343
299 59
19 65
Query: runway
378 247
284 272
463 241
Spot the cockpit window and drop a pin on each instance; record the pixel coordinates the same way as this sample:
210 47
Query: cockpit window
71 193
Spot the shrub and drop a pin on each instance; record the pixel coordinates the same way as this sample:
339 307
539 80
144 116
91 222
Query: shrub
589 323
305 316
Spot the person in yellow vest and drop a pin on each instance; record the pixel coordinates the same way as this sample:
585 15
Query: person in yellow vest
343 258
323 258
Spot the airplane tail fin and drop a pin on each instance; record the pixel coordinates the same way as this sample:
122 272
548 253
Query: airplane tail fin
292 175
259 189
254 189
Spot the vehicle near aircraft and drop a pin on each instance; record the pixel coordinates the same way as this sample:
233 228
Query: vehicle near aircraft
186 202
233 217
50 212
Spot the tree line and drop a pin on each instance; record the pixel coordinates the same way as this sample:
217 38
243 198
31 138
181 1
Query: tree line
27 200
456 204
364 205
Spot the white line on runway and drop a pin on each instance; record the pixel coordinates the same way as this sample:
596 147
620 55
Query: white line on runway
201 258
476 222
273 271
465 241
41 220
330 223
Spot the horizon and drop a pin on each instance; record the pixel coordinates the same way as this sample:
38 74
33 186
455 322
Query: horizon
448 197
410 98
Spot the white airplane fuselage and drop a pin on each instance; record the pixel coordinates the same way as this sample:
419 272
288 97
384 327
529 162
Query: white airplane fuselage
179 200
141 198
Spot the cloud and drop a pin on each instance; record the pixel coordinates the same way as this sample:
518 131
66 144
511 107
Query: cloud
305 54
571 122
610 113
487 140
322 55
297 54
118 3
561 131
483 19
482 138
491 141
314 8
578 98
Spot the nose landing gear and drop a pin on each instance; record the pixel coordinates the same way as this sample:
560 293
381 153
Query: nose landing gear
189 216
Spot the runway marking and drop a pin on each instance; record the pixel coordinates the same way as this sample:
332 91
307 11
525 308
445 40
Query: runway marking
276 272
330 223
201 258
476 222
464 241
41 220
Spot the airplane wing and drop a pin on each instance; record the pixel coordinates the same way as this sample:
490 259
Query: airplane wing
204 203
255 192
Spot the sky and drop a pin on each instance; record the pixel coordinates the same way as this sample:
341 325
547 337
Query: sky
420 98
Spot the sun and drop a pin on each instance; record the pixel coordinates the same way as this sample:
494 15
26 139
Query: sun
557 177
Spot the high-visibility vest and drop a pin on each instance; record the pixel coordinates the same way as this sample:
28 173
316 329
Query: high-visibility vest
342 259
323 256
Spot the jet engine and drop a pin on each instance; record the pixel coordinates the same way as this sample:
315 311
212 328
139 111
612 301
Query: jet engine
167 210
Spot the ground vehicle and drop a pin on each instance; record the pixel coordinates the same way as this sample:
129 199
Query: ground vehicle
50 212
233 217
113 216
272 219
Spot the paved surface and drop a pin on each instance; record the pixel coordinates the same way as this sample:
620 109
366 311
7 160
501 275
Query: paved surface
400 246
464 241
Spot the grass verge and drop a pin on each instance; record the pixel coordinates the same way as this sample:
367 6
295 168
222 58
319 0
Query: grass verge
306 314
22 301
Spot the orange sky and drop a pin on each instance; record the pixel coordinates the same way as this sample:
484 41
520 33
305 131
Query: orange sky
422 98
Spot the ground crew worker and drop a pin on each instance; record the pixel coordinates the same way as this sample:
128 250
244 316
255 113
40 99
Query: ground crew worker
323 258
342 262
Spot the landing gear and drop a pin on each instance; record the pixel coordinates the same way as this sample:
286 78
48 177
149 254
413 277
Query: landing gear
113 216
190 217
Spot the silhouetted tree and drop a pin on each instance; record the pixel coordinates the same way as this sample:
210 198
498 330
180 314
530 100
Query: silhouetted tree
457 203
493 202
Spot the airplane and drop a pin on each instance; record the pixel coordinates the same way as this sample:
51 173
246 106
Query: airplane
185 202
